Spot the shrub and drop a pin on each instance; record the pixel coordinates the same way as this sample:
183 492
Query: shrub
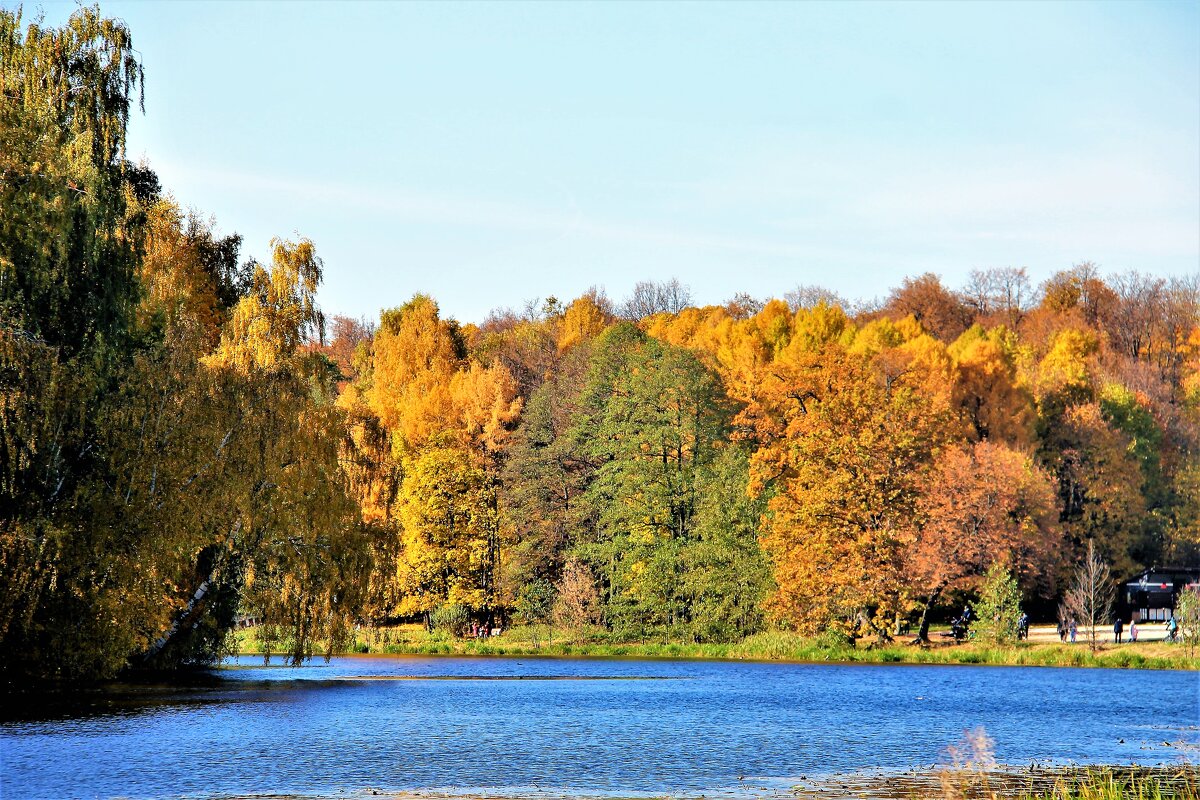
452 618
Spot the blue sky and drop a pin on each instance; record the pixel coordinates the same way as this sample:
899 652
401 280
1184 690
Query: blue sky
490 153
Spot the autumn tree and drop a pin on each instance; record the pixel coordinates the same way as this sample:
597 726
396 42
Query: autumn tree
449 530
576 601
585 318
845 447
982 504
430 424
989 389
930 303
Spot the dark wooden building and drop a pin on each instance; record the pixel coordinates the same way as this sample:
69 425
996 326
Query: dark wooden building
1153 594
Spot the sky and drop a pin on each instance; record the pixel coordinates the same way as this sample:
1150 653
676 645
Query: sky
492 153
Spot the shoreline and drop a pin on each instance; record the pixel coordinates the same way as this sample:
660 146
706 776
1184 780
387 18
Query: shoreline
769 647
850 661
991 781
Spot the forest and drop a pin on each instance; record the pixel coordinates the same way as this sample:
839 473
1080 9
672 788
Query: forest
186 439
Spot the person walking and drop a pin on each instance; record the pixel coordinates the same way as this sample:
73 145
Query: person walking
1074 630
1133 629
1118 626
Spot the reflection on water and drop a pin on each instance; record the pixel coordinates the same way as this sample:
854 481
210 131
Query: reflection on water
504 726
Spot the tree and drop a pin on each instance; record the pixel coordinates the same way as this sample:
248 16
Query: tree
450 534
278 313
67 237
414 357
981 505
805 297
70 222
654 424
1100 487
349 341
267 510
1187 615
931 304
989 389
1089 601
544 476
576 602
999 607
724 572
535 604
743 306
584 319
650 297
845 446
999 295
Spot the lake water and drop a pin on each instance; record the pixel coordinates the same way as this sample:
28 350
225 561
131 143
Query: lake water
592 727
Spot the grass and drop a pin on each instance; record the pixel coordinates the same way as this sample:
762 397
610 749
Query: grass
771 646
1107 783
974 775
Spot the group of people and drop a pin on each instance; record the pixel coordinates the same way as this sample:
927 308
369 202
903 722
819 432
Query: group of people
1172 628
1067 629
480 630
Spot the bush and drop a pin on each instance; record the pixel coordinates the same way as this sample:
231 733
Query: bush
833 639
452 618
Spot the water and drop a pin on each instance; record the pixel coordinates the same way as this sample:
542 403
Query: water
509 726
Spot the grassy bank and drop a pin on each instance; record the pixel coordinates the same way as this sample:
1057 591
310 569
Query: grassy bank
775 646
997 782
1126 784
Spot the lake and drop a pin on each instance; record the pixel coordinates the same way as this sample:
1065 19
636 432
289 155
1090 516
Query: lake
563 726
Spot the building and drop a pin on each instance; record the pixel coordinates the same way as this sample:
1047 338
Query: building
1152 595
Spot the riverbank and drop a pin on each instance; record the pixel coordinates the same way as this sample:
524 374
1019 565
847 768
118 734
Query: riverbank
775 646
1010 783
996 782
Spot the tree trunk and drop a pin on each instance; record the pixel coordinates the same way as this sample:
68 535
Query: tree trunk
923 630
195 604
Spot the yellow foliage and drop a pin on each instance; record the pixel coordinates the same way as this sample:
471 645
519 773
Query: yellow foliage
172 274
1067 368
487 404
582 320
277 315
882 334
414 360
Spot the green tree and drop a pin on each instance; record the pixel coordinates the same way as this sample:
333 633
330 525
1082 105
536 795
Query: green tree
654 422
725 573
999 606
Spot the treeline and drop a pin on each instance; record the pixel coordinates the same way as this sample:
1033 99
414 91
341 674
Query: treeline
181 442
670 471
